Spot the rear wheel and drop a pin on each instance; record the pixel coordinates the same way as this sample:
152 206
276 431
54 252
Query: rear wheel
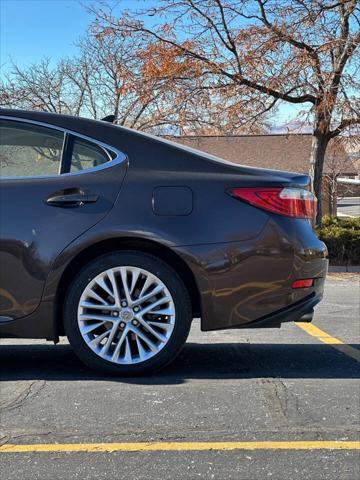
127 313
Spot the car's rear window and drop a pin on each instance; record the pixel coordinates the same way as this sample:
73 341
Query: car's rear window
87 155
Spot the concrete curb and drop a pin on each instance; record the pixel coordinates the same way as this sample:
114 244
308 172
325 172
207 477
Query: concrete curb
344 268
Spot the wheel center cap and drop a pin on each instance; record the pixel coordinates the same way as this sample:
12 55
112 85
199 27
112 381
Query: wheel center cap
126 315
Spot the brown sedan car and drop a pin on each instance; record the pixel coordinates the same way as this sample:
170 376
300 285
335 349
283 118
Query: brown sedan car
118 239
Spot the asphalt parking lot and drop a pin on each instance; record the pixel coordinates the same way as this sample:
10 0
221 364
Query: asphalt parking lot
290 385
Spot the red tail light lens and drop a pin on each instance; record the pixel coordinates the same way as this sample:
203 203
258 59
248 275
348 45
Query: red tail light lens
291 202
306 283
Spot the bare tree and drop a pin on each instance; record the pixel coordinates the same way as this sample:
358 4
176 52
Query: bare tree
133 79
40 86
117 74
269 51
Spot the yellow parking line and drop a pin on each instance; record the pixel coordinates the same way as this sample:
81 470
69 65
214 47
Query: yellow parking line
329 340
180 446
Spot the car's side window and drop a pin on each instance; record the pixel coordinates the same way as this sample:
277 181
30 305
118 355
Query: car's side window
86 155
28 150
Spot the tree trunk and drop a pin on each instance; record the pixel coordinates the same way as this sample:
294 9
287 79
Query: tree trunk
317 158
334 194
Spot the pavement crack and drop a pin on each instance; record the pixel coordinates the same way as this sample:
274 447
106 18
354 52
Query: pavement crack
276 396
4 440
30 390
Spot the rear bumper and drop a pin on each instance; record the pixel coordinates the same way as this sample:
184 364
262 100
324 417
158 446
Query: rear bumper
301 311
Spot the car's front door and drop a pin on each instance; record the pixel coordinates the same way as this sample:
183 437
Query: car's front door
54 185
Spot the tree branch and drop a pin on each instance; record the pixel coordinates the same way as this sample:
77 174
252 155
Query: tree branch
286 37
238 78
346 123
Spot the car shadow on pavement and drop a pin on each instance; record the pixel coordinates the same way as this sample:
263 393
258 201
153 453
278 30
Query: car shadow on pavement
196 361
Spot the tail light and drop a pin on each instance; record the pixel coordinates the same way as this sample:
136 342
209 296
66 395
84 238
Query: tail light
290 202
305 283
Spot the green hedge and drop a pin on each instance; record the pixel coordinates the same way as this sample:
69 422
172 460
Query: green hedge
342 238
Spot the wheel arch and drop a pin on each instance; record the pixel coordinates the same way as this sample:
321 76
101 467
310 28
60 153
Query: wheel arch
154 248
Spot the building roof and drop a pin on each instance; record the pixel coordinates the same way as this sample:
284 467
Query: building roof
279 151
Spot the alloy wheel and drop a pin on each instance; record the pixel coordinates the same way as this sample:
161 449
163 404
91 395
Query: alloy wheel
126 315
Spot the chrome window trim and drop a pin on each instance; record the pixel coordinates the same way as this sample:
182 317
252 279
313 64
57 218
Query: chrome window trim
119 156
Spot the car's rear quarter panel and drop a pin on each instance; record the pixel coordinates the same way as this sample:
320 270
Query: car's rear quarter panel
244 281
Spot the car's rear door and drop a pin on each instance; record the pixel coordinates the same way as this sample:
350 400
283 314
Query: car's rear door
54 185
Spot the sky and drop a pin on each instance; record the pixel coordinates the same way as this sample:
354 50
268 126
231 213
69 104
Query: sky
33 29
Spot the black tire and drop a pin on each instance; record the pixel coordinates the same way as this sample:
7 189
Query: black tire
183 312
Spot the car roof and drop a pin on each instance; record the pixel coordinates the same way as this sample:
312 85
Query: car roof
143 149
91 127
